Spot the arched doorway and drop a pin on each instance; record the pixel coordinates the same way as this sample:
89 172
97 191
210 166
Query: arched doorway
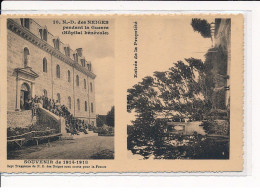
25 95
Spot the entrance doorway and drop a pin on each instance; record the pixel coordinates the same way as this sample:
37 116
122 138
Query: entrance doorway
24 97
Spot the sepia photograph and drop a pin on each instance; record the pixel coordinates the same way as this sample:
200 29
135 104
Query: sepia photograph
178 101
60 88
108 93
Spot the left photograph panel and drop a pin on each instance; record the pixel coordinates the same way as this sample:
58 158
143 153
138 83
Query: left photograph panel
60 88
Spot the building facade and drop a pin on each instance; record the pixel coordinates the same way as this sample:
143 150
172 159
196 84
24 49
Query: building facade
220 58
223 40
39 63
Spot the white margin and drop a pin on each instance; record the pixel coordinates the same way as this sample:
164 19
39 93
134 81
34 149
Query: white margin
252 50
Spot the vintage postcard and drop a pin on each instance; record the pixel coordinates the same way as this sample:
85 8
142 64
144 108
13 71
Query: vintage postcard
122 93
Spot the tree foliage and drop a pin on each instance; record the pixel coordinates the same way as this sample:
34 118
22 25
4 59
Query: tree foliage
111 117
201 26
180 92
101 120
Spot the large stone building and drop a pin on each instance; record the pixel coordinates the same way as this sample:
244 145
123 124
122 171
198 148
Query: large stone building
39 63
221 59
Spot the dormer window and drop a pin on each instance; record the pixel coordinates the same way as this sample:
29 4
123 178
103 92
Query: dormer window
56 43
79 51
75 57
83 62
89 66
25 22
43 34
67 51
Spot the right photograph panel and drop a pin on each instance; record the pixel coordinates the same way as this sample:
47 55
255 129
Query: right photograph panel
178 99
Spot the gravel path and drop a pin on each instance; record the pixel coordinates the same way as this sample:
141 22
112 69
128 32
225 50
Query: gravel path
82 148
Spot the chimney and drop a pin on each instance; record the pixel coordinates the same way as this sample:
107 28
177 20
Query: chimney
79 51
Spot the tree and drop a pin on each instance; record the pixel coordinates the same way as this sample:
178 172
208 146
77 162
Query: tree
101 120
177 93
111 117
201 26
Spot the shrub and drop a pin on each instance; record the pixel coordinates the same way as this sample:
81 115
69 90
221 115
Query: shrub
218 127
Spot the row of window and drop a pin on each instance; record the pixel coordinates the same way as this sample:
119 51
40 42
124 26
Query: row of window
69 102
78 105
45 69
69 79
27 54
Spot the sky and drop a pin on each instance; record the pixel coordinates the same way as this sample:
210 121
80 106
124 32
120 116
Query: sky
166 41
100 51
